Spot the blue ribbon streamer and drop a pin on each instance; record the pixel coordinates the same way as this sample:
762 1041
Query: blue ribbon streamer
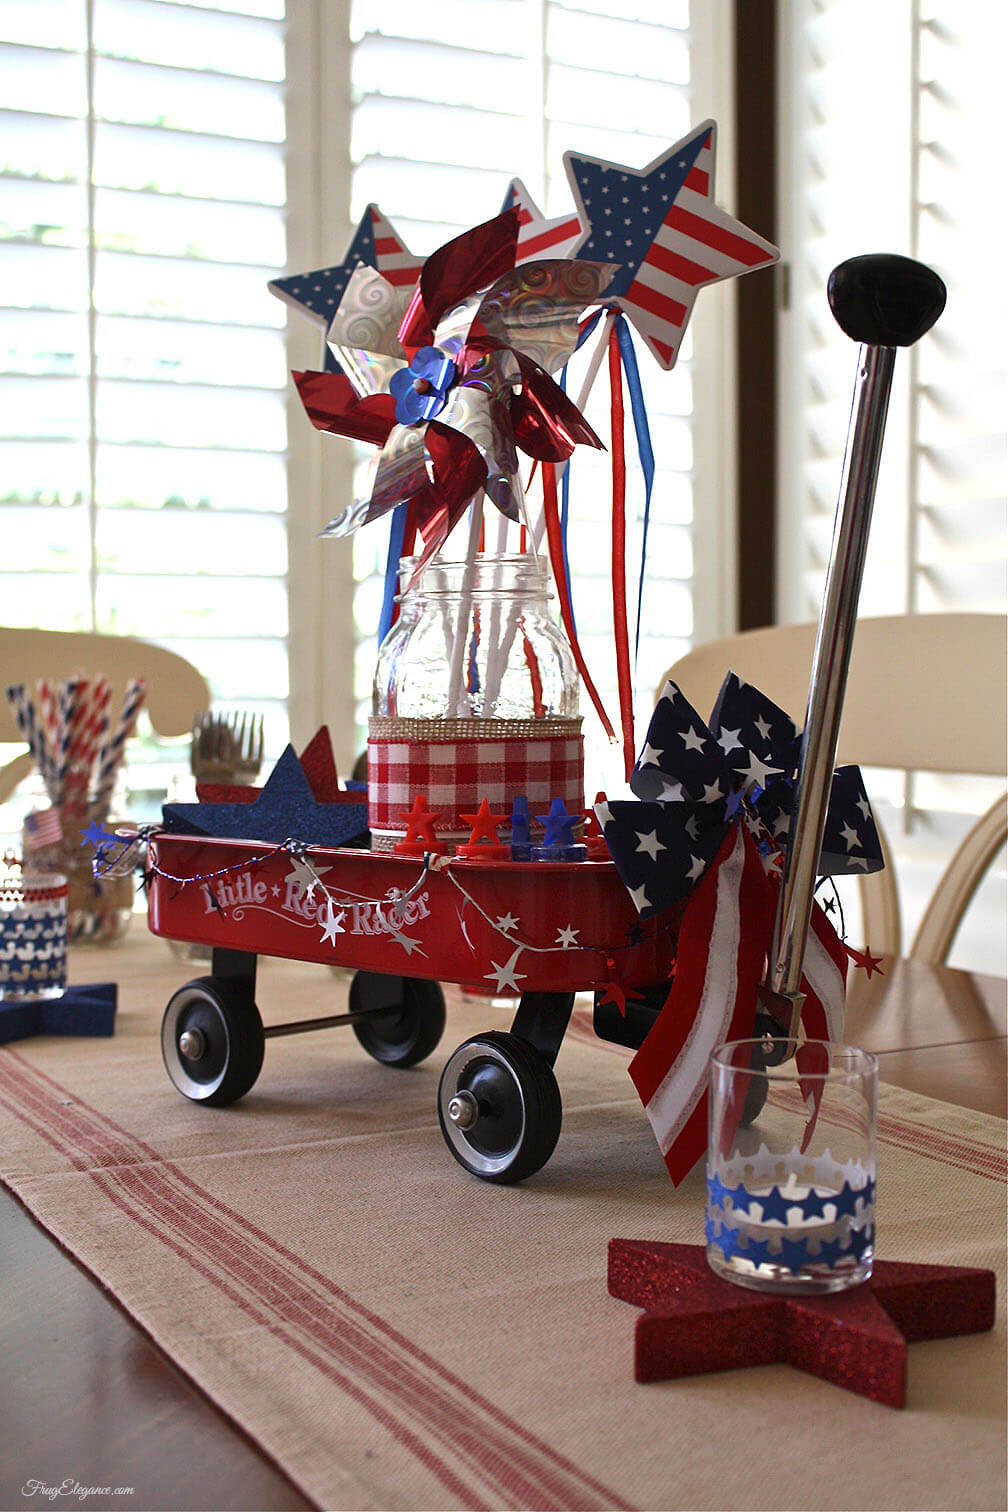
397 534
644 448
565 479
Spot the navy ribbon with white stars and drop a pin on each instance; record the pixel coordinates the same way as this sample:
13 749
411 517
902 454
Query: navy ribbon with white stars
694 781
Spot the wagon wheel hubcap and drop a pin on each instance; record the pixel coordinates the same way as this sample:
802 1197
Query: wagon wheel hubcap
492 1100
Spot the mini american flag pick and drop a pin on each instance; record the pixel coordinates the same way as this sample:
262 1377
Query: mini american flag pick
42 828
537 236
662 225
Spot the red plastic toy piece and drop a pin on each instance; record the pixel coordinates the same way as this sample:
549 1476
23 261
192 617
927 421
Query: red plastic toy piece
420 838
594 840
482 844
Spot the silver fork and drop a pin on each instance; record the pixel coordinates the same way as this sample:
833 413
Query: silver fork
226 747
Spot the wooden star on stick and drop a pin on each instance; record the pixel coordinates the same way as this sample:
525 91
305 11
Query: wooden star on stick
694 1322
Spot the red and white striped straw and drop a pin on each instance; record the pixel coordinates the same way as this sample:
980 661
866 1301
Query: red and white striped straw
49 714
112 753
84 735
24 713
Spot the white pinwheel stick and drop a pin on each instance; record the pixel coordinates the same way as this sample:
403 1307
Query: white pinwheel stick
884 302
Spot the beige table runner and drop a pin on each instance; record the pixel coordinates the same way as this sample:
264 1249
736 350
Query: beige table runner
397 1334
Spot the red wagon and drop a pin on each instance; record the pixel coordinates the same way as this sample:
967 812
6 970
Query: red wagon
539 931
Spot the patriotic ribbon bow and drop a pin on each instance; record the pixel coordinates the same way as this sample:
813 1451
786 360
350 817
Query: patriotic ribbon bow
492 334
710 826
695 781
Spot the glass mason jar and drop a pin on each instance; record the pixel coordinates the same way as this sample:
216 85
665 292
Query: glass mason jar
476 641
475 697
99 906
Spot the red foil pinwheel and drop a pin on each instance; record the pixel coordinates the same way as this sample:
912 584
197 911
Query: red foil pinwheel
453 378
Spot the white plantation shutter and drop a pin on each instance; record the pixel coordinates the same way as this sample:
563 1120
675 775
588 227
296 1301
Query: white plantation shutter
143 433
896 134
450 102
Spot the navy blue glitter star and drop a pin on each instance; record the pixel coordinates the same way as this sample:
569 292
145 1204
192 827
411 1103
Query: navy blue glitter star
285 809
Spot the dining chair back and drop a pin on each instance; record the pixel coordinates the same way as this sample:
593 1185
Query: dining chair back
176 692
925 692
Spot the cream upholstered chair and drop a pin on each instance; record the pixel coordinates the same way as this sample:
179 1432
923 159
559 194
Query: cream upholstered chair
926 692
176 691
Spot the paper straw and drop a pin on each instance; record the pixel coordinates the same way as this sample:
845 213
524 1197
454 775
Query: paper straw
24 714
70 695
80 738
48 702
113 752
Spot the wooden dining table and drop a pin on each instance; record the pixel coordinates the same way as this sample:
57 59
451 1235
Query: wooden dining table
78 1372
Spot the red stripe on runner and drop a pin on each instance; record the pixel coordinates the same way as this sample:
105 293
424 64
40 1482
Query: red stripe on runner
711 234
270 1284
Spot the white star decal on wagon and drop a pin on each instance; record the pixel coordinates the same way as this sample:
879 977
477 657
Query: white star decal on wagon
333 924
851 837
693 740
506 975
307 876
650 844
505 922
566 937
728 740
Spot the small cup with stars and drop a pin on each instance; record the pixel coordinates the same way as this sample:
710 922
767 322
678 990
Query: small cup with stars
791 1165
33 933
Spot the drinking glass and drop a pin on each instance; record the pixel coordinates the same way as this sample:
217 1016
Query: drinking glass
791 1165
33 933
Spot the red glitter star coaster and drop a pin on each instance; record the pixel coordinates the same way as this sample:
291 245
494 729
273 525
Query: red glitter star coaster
695 1322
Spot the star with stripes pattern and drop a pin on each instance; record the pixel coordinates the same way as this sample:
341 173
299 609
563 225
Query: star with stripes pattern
537 236
376 244
662 225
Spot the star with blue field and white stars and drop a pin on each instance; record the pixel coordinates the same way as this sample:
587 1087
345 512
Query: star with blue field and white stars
318 293
660 223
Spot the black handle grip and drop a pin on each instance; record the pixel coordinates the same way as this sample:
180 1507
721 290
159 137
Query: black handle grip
885 300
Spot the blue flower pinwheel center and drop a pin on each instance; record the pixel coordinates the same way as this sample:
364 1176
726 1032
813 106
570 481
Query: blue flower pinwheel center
420 391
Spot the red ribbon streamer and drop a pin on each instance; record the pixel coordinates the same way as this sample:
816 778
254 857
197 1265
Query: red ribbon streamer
624 680
551 514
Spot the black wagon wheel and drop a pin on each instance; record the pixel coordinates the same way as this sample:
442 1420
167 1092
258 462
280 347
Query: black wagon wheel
499 1107
212 1041
403 1017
